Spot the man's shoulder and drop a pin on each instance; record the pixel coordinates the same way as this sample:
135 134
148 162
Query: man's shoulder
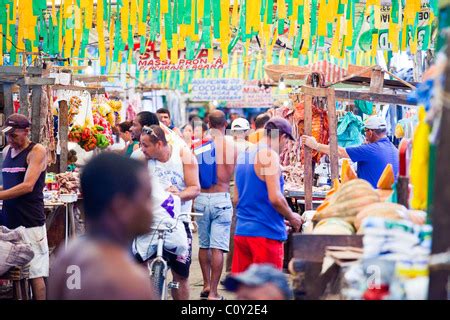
39 148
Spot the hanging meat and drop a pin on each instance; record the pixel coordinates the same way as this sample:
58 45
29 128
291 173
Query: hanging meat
47 136
320 127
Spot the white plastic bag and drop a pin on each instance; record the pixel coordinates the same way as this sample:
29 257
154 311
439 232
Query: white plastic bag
166 210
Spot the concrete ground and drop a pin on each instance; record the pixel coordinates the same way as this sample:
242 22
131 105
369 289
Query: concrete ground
196 279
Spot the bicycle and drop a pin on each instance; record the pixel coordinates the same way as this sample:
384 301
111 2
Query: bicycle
158 267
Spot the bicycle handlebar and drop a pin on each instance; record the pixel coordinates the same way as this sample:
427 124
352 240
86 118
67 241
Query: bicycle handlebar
168 228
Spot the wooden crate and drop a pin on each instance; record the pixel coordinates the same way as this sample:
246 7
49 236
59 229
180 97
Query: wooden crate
308 252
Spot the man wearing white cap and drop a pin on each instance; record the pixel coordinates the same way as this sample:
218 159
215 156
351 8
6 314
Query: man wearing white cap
372 157
240 128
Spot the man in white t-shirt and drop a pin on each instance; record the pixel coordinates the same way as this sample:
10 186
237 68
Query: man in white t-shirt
175 168
147 118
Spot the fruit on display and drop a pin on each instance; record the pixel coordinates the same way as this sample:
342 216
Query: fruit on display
387 178
102 141
347 172
89 137
75 134
347 201
386 210
334 226
74 108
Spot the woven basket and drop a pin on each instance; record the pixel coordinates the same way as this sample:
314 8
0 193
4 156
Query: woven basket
276 71
353 69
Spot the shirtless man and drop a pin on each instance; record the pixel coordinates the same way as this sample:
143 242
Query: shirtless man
117 203
215 204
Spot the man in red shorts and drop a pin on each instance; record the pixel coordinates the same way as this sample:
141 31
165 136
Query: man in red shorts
262 208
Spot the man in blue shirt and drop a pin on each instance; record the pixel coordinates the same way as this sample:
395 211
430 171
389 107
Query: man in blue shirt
372 157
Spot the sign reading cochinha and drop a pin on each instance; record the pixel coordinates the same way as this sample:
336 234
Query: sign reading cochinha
216 89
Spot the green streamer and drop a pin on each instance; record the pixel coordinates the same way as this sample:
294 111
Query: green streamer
217 18
301 16
38 7
321 41
145 12
207 14
298 41
262 10
330 30
142 45
168 26
270 12
290 10
313 18
280 26
196 17
242 21
341 8
190 47
395 11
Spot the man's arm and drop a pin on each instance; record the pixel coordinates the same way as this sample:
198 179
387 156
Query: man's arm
270 173
235 193
323 148
191 177
4 152
36 164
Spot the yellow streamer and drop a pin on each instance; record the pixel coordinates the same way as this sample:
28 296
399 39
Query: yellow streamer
281 9
54 21
1 45
89 14
174 50
164 6
133 13
101 38
306 27
111 38
124 16
235 16
141 24
373 52
322 19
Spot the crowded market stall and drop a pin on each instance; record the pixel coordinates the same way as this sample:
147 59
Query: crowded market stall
78 69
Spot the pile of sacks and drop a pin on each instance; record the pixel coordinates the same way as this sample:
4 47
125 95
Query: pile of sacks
15 251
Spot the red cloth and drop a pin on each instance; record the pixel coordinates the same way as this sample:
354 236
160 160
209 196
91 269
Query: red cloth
249 250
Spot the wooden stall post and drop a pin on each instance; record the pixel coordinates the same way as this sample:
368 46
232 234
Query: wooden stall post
308 154
8 99
377 80
36 113
332 123
24 100
63 129
440 216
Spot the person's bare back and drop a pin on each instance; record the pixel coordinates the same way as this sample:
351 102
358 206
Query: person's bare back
226 154
93 269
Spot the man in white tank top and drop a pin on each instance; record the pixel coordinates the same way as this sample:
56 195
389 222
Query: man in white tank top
176 169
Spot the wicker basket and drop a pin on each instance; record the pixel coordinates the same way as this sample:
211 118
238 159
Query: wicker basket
353 69
276 71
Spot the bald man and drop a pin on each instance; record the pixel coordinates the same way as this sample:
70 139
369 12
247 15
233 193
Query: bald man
215 204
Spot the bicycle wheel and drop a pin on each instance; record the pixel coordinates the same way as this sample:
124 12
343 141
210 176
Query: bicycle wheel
158 277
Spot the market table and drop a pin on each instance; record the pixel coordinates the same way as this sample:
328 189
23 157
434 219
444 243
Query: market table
52 207
299 195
